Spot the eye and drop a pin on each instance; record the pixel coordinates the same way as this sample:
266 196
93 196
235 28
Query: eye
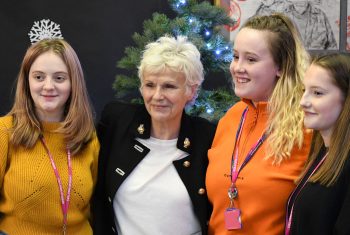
169 86
60 78
251 59
38 76
235 57
149 85
318 93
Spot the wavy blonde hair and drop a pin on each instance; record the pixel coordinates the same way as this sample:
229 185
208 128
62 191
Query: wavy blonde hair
77 126
285 123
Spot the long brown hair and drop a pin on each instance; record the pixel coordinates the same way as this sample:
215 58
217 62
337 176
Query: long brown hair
285 124
77 126
338 66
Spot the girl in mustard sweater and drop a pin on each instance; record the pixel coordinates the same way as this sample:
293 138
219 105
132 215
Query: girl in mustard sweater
48 146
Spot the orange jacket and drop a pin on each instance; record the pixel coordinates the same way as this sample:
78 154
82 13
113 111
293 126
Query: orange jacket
263 188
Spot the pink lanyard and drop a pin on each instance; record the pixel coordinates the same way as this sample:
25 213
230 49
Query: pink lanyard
64 202
289 218
232 192
234 161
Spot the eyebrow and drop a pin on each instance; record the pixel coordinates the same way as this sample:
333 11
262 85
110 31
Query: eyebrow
317 87
247 53
39 71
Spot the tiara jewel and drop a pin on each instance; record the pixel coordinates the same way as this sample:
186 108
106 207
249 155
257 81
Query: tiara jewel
45 29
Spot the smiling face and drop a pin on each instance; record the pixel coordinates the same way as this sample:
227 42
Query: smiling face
253 69
165 95
50 86
322 101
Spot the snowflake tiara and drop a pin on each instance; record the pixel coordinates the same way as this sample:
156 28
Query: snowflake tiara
44 29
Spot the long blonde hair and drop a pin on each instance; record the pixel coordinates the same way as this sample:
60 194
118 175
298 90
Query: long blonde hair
77 126
285 123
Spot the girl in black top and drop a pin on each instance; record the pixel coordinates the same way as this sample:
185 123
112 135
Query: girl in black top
321 202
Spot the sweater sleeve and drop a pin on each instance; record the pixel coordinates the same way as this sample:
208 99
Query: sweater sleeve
4 143
95 149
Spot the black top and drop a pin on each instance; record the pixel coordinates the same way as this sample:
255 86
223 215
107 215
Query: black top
120 153
321 210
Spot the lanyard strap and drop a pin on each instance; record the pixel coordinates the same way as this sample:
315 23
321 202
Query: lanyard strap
252 151
64 202
296 192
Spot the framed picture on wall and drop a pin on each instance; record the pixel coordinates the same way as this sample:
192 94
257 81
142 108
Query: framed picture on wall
317 20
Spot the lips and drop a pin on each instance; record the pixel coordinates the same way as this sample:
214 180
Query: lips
308 113
242 80
159 106
49 97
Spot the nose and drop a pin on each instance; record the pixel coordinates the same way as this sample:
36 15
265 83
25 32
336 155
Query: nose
48 84
158 93
304 102
236 66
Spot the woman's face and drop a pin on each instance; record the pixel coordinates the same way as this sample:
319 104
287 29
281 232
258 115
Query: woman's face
322 101
165 95
50 86
253 69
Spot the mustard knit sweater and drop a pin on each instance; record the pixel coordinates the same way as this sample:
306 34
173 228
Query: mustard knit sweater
29 193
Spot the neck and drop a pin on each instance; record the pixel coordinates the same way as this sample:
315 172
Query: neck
326 136
256 104
165 131
50 117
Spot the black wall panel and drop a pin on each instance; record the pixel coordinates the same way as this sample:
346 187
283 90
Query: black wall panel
98 30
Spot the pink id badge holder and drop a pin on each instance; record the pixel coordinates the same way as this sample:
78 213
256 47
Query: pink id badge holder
232 215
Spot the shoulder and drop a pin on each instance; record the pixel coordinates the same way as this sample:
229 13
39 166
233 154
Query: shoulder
5 129
237 107
94 141
118 109
199 131
6 122
95 146
202 125
234 112
196 129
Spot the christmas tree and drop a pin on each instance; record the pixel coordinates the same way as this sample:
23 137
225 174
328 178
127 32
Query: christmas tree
201 23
